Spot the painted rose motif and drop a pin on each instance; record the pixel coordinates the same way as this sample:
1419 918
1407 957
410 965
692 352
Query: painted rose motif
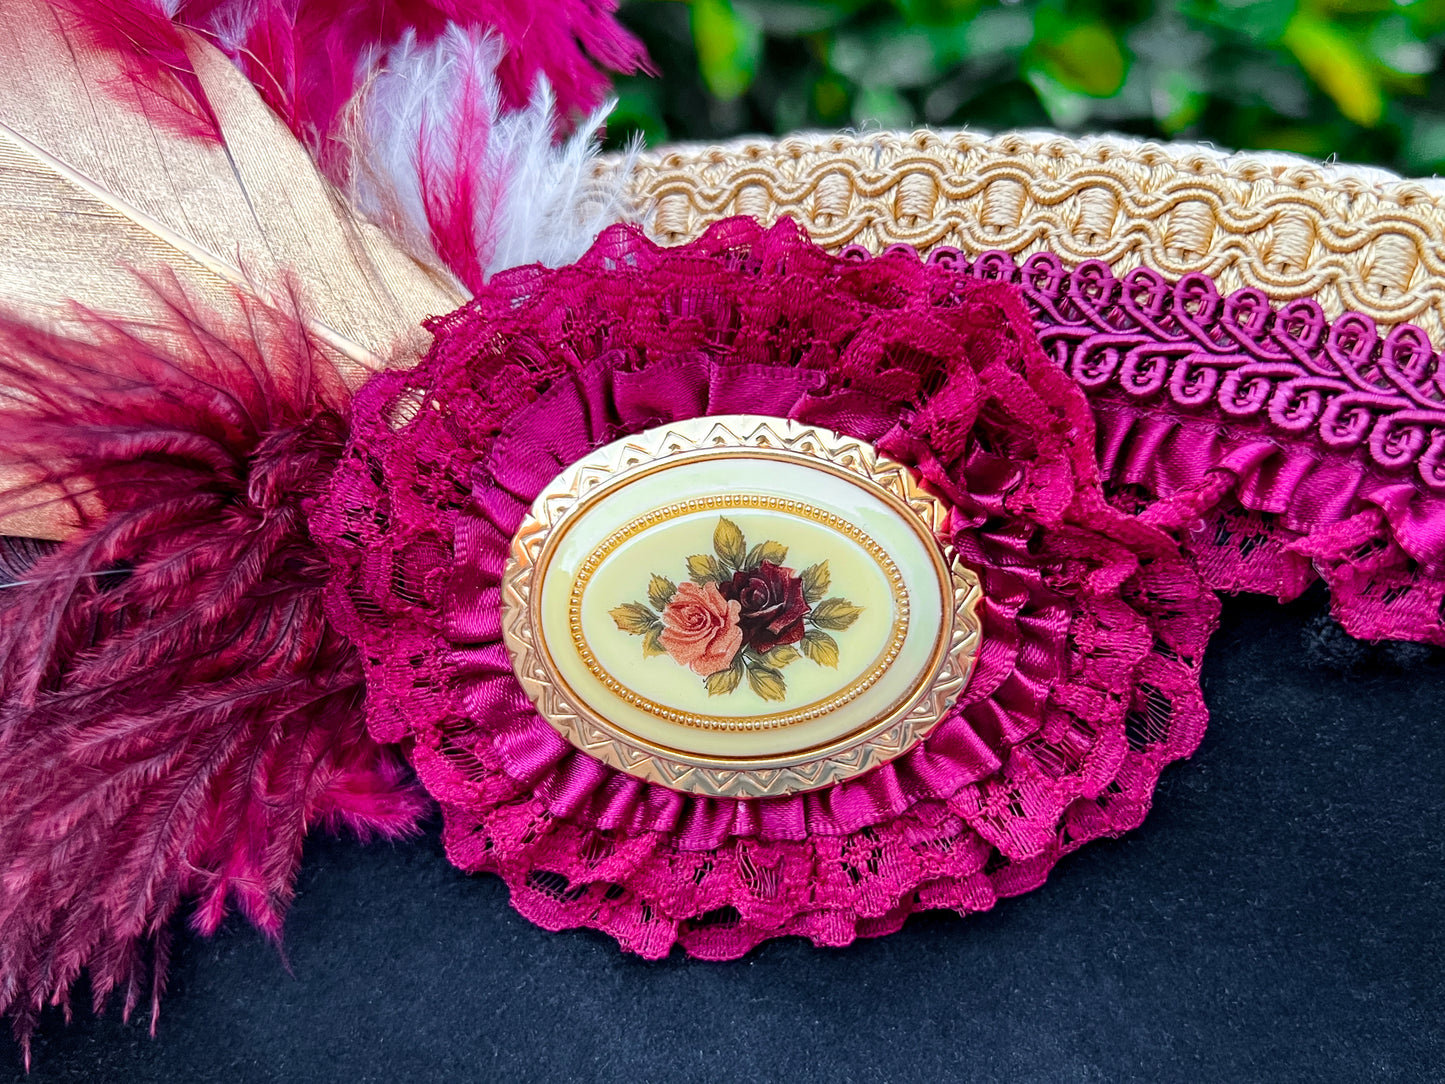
772 606
740 613
700 628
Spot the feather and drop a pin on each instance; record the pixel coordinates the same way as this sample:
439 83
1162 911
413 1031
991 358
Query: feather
438 161
90 182
175 709
441 130
308 58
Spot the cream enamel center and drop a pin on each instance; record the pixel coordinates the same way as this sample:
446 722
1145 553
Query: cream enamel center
624 574
817 539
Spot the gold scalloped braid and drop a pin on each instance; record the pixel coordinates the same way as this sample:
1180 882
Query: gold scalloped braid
1350 237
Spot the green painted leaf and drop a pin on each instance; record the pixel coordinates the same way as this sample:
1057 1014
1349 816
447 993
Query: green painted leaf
821 648
780 656
633 617
704 568
728 543
767 683
725 681
772 551
660 591
816 579
835 613
652 643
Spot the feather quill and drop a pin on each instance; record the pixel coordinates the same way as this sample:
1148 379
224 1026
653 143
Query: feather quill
175 710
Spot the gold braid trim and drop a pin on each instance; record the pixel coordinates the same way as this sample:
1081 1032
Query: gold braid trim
1352 239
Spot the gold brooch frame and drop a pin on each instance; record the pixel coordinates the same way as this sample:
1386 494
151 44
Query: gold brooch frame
879 741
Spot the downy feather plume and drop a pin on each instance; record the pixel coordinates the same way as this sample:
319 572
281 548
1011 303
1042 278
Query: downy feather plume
441 164
175 710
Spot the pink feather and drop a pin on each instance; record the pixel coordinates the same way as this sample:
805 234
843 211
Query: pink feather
456 180
175 709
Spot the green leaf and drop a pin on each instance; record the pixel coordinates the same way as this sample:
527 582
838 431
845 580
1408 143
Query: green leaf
633 617
772 551
1177 102
725 681
780 656
767 683
728 543
996 32
816 579
935 11
729 47
1083 56
885 59
1427 146
830 98
1261 21
1397 47
652 643
821 648
704 568
1338 66
1066 108
660 591
835 613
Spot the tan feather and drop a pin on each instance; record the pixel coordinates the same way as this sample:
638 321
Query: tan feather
91 188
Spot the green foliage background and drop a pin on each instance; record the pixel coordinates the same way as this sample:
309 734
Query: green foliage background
1360 79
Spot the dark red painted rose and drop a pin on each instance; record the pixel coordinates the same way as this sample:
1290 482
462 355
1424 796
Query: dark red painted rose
772 603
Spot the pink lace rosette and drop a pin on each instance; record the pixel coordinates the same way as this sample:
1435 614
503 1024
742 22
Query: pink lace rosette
1087 681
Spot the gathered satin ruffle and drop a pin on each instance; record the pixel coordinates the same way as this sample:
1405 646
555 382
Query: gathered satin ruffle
1087 681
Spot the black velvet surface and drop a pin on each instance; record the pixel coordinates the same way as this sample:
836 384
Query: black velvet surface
1277 918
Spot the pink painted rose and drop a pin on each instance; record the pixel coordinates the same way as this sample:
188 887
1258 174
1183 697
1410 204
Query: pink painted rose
700 628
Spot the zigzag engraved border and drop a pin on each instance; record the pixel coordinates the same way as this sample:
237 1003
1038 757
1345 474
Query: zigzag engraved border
704 775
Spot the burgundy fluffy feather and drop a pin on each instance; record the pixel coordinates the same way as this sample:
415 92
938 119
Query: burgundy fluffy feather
175 710
309 57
